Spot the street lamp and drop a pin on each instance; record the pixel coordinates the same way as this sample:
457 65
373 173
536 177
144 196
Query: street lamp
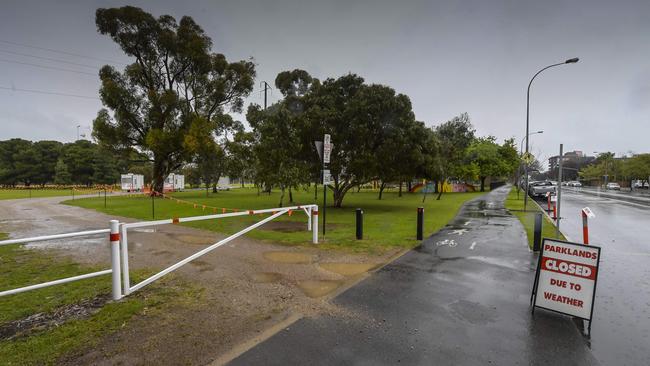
521 144
569 61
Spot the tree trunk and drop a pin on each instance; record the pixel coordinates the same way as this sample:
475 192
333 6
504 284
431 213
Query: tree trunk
281 195
160 172
483 184
381 189
442 189
409 186
214 188
290 195
400 189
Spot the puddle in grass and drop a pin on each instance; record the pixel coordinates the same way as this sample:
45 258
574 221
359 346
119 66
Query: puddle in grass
288 257
266 277
315 289
347 269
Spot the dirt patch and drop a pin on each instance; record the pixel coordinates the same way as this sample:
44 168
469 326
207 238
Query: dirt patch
289 257
285 226
266 277
196 239
43 321
348 269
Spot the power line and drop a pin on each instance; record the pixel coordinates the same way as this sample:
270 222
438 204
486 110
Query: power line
63 52
47 92
48 67
49 59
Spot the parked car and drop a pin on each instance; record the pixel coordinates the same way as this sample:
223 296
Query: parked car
574 183
639 184
538 189
613 186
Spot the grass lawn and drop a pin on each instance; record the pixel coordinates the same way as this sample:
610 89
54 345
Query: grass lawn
20 267
388 223
516 207
9 194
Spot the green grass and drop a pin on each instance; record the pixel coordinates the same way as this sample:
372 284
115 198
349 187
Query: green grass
515 203
21 267
9 194
388 223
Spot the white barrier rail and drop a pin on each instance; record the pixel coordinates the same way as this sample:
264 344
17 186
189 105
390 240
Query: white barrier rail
115 259
119 247
310 210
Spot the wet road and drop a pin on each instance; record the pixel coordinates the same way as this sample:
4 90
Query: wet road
621 328
461 298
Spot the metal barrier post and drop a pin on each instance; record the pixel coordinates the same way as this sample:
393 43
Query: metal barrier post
359 223
420 227
314 225
124 246
309 210
537 232
585 228
115 259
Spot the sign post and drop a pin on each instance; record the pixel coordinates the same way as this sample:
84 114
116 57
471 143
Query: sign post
586 214
566 278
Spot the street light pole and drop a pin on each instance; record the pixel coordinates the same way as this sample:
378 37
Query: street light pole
521 152
569 61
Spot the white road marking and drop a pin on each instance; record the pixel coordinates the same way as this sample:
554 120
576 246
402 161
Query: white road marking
451 243
467 223
471 247
460 232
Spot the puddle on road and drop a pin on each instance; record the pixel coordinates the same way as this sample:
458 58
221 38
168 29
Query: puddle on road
139 230
315 289
288 257
347 269
266 277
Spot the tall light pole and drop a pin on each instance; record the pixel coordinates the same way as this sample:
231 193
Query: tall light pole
569 61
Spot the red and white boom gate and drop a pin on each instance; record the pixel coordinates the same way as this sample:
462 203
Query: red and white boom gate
310 210
119 247
115 259
586 215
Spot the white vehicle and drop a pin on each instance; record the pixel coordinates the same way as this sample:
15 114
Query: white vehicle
575 183
132 182
174 182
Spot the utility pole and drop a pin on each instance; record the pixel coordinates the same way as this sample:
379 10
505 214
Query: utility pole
266 88
559 194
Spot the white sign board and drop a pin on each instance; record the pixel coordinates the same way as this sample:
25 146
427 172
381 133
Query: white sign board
588 213
327 177
566 278
327 148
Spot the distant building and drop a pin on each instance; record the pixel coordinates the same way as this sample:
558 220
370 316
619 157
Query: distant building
572 161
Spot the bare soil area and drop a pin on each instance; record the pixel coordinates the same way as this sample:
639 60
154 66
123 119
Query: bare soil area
251 289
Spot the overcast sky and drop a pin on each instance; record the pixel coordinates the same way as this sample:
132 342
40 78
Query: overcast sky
449 57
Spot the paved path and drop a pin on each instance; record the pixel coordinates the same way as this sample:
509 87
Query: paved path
461 298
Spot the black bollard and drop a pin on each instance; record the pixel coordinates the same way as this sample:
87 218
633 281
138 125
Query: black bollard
537 234
420 223
359 224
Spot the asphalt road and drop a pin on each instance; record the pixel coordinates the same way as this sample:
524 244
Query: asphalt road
621 327
461 298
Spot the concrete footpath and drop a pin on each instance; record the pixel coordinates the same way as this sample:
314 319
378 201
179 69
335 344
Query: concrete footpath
461 298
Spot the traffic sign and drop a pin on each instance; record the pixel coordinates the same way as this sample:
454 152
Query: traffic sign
327 148
528 158
327 177
566 278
